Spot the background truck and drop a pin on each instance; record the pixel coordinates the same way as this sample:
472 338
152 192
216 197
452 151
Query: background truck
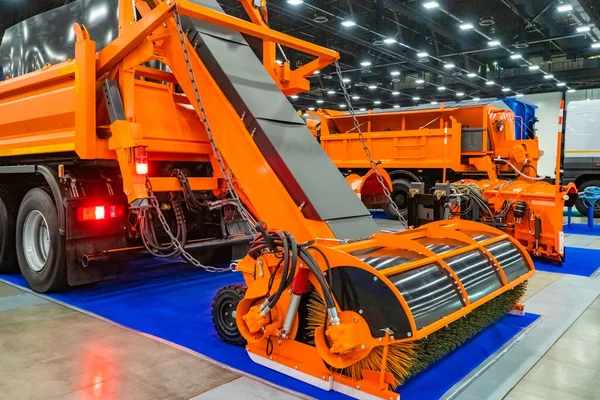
581 162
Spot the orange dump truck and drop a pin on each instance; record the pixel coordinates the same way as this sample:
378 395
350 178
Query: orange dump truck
429 143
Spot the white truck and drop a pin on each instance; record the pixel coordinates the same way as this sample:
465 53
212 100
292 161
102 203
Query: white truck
581 163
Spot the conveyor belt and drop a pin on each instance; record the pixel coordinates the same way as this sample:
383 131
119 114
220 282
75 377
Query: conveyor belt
306 171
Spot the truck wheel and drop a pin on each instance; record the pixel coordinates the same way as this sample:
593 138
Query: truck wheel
223 314
400 188
582 208
8 216
40 247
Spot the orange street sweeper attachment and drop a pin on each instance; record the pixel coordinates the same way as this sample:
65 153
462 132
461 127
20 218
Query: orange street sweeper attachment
362 317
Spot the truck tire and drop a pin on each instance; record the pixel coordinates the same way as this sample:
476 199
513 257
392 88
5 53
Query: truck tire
582 208
223 314
40 247
8 217
400 188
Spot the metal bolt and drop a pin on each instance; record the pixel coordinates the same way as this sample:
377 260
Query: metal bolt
391 337
409 334
279 341
381 339
358 387
324 377
295 367
375 278
360 311
260 263
362 347
355 319
270 357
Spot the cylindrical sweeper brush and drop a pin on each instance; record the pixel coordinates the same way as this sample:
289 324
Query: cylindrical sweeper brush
361 318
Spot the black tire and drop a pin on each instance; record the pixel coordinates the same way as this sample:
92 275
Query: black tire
8 218
582 208
400 189
52 276
223 314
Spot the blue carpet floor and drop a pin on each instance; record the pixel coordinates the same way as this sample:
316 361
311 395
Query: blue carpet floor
578 261
173 301
582 229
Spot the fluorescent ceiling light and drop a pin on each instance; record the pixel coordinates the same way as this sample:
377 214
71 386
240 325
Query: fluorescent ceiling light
476 99
348 23
433 103
342 106
363 109
320 101
533 67
466 27
355 98
395 93
519 95
460 94
419 81
564 7
389 40
490 83
560 84
471 75
372 87
416 98
377 102
311 109
365 64
395 73
494 43
571 91
295 2
548 76
505 89
584 28
396 106
346 80
596 45
331 92
516 56
449 66
431 4
295 96
441 88
422 54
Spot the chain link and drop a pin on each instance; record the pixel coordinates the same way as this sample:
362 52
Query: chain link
203 117
187 256
366 149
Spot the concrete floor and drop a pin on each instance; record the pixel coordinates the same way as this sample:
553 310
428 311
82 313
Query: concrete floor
49 351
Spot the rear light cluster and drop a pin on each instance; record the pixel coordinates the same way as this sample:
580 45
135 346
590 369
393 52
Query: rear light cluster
141 161
95 213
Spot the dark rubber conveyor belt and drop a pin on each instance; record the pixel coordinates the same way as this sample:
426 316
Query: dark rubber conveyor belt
303 167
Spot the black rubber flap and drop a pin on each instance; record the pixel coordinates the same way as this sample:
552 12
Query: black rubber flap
358 290
304 168
49 37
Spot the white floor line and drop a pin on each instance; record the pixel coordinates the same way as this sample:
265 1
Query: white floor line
561 302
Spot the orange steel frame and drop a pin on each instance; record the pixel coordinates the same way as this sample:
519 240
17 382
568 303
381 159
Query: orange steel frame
311 360
425 139
57 109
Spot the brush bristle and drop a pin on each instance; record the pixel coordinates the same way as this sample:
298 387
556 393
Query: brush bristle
405 360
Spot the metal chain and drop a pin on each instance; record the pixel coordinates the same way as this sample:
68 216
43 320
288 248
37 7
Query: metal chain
187 256
203 117
366 149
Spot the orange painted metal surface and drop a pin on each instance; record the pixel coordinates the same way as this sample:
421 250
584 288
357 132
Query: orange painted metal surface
425 139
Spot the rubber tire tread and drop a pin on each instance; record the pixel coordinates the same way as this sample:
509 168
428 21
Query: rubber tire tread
583 210
53 277
8 219
239 292
397 184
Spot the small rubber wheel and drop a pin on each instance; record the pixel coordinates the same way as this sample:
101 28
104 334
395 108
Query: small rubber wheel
582 208
223 314
8 218
40 247
400 189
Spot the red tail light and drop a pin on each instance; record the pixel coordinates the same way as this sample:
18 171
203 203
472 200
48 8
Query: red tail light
95 213
141 161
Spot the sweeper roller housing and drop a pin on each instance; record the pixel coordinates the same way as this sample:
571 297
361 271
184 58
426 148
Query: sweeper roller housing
396 297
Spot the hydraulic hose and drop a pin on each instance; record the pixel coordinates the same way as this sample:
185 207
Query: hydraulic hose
541 178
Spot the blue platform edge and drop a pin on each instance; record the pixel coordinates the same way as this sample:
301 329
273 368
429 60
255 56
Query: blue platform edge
172 301
581 229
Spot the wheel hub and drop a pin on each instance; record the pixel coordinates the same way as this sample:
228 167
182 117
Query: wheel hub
36 240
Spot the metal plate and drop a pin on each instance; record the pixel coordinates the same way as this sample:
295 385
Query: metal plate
49 37
429 293
382 258
510 259
476 272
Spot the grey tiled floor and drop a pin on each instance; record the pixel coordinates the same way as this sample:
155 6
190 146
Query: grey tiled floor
48 351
